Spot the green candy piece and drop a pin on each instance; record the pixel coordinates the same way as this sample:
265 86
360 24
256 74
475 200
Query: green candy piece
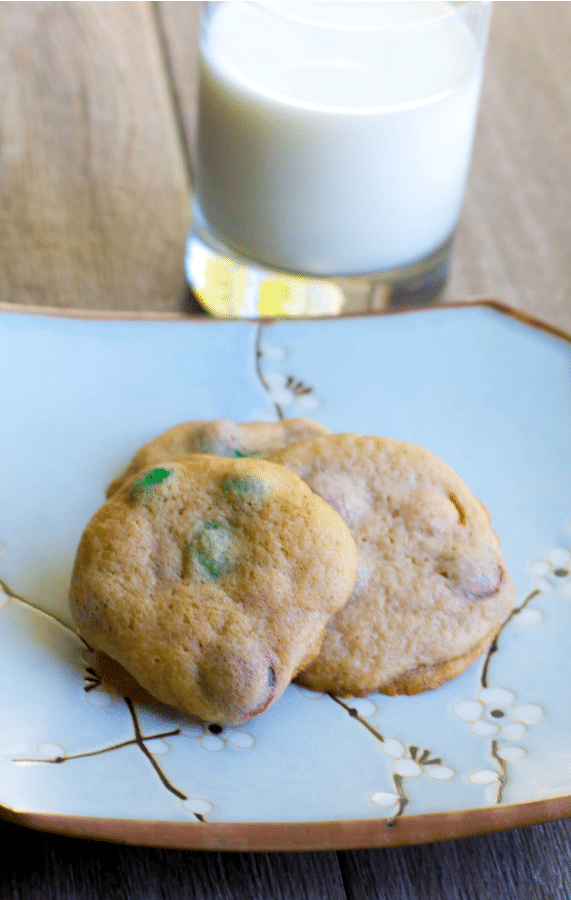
212 550
217 447
149 481
245 487
239 484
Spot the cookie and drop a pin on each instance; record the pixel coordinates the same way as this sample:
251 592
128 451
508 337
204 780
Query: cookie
432 588
211 580
219 438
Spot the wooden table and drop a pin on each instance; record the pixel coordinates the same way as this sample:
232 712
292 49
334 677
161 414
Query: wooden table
97 110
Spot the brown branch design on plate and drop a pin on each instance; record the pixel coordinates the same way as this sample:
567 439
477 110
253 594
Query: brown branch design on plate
93 679
407 762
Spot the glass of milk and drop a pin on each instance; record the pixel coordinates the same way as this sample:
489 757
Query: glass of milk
333 144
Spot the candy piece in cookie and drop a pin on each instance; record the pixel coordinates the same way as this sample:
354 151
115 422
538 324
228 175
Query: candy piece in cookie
432 587
211 581
219 438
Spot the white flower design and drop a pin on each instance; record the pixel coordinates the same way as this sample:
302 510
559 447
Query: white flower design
285 390
99 697
363 707
495 711
530 616
410 762
47 750
215 738
273 352
553 574
407 762
307 693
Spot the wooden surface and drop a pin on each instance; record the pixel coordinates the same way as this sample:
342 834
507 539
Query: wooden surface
97 106
97 110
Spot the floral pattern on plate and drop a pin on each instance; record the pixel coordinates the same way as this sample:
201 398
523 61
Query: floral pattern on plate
71 743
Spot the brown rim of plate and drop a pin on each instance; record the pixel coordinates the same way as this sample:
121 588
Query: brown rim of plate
301 836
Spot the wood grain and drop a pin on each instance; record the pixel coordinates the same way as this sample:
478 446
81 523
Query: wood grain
60 868
514 234
178 22
524 864
93 181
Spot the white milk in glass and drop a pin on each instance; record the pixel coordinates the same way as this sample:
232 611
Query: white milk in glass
326 156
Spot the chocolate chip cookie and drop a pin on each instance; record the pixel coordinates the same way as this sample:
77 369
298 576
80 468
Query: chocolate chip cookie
211 581
432 588
219 438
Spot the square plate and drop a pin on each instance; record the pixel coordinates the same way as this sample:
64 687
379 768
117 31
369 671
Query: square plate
480 386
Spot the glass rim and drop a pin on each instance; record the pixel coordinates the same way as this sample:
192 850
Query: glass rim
460 11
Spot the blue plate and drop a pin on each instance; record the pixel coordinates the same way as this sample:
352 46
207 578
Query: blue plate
480 386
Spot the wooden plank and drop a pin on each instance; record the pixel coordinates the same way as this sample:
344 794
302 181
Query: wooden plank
179 25
513 239
530 863
61 868
93 181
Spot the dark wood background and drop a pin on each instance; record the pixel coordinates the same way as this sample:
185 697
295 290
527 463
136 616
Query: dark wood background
525 864
97 113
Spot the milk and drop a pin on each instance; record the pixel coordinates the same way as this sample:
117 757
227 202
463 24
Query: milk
326 156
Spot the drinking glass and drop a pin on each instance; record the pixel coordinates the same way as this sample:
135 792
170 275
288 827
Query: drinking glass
333 145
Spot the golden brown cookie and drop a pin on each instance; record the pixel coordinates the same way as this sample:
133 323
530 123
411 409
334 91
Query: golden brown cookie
432 588
219 438
211 580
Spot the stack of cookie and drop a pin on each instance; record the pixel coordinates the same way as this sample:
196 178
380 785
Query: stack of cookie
230 559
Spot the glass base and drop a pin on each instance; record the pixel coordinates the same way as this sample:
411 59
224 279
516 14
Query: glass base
231 286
